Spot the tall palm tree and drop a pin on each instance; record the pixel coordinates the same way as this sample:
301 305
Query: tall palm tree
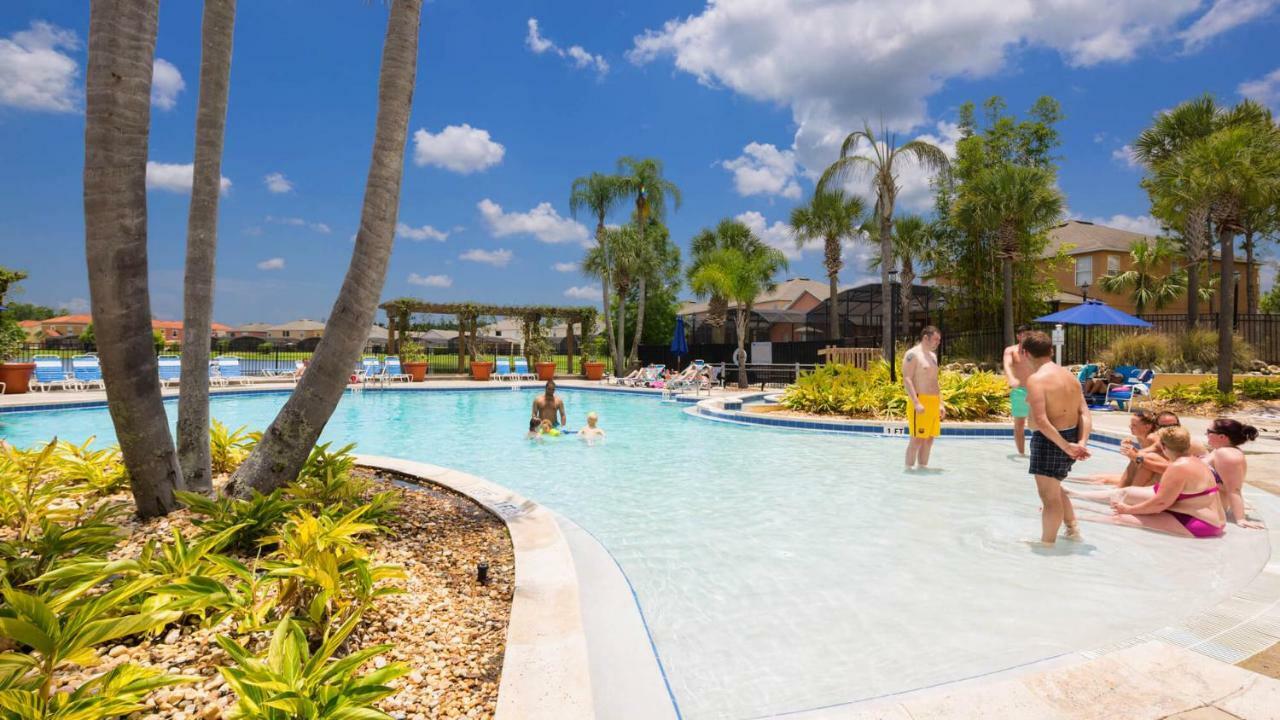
600 195
642 178
832 217
1146 288
913 239
1014 203
739 275
727 234
202 244
881 165
122 42
621 244
285 445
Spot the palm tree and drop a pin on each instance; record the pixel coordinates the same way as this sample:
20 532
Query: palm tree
831 217
202 244
285 445
1014 203
642 177
727 234
600 195
1145 287
122 41
739 275
654 259
881 165
912 241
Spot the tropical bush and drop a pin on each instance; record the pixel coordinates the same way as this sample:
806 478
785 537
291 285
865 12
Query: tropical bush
1141 350
228 448
846 390
1193 350
1198 348
252 519
113 694
1259 388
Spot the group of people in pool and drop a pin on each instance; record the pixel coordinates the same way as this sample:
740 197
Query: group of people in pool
1172 483
549 418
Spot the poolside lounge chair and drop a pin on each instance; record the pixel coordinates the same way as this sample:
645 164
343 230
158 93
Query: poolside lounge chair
1136 383
87 371
649 375
684 380
627 379
229 370
50 374
502 369
370 368
392 371
215 375
170 368
521 370
715 380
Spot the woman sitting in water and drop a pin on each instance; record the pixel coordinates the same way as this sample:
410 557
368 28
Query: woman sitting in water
1185 502
1139 448
1229 465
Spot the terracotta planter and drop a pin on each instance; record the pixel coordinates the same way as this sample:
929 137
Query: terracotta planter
481 370
593 370
545 370
16 377
418 370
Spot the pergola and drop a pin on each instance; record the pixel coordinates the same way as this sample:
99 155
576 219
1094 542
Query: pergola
400 310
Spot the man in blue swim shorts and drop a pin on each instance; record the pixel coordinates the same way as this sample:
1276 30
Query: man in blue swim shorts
1017 368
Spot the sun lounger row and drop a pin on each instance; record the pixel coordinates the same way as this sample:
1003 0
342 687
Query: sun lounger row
505 369
386 371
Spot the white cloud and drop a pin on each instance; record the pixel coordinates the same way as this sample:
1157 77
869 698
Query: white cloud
426 232
565 267
175 177
439 281
277 183
585 292
496 258
34 72
1125 156
542 222
763 169
272 264
166 83
319 227
1265 89
798 53
460 148
1221 17
1144 224
777 235
575 54
914 189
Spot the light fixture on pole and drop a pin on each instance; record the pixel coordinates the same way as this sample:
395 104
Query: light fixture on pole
893 325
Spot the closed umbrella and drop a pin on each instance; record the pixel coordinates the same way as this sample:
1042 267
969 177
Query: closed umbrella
679 345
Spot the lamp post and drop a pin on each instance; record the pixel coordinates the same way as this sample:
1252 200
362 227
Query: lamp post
1084 294
893 325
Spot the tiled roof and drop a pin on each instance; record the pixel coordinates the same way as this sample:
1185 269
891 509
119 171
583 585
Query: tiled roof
69 320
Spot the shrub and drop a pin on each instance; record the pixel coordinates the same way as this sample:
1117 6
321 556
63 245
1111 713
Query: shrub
291 681
254 518
846 390
1256 388
1200 394
227 449
1140 350
113 694
266 348
1198 348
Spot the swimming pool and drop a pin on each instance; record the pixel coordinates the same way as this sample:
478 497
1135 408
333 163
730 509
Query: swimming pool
784 570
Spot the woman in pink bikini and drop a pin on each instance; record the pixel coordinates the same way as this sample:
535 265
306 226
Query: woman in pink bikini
1185 502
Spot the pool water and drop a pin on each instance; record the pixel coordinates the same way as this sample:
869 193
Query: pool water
783 570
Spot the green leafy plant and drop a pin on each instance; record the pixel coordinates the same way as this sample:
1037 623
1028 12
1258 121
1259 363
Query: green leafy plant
227 448
293 683
51 543
1258 388
1198 348
846 390
255 517
1198 394
12 337
340 462
412 352
1141 350
113 694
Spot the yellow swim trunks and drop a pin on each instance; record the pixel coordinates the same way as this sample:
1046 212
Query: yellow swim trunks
927 424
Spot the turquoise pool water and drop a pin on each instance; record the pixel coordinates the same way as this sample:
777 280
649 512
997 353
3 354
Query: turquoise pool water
786 570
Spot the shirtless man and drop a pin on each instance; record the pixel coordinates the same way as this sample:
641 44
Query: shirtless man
1062 423
547 406
1016 371
924 406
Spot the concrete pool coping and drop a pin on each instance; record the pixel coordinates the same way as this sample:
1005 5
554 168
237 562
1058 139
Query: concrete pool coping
578 647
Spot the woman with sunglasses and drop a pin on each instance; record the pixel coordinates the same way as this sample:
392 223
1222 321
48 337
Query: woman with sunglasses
1229 464
1142 426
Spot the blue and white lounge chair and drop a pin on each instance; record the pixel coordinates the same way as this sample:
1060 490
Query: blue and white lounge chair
229 369
50 374
502 369
215 375
521 370
87 371
391 370
370 368
650 374
170 367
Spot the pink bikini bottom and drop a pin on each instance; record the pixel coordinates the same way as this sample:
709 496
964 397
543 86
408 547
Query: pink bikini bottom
1197 527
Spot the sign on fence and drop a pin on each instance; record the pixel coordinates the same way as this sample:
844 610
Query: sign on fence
762 353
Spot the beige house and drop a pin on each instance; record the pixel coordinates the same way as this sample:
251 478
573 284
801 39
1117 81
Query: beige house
292 332
784 309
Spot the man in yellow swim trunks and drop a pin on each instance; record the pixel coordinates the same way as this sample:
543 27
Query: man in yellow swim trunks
924 406
1017 368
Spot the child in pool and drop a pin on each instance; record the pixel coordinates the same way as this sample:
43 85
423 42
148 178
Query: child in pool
547 429
592 431
534 426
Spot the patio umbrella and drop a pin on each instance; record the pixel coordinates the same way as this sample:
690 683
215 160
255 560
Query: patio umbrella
1093 312
678 344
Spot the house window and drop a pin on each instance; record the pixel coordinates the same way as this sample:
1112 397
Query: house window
1084 270
285 333
1113 264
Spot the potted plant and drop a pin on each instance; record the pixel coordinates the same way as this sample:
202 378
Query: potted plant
413 360
592 367
15 375
481 369
538 347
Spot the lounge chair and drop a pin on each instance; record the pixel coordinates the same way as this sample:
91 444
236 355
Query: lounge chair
714 380
215 375
370 368
521 370
87 371
229 370
50 374
683 380
391 370
1136 383
502 369
649 375
170 368
627 379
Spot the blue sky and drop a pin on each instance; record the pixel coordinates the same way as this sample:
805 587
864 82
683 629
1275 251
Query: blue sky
743 100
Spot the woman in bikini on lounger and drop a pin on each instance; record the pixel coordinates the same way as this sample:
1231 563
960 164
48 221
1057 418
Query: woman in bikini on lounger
1186 501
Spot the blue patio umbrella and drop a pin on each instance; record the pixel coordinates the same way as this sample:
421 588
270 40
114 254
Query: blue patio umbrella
679 345
1093 312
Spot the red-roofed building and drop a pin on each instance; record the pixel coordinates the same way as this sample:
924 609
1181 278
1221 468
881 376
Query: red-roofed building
73 325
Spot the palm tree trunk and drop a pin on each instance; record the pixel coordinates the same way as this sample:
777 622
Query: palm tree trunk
621 328
634 358
904 295
1006 273
1196 231
122 42
1226 306
286 443
740 323
1250 287
833 313
886 289
1193 295
202 245
605 280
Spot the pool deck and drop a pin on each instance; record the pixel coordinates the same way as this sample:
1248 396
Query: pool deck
578 646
